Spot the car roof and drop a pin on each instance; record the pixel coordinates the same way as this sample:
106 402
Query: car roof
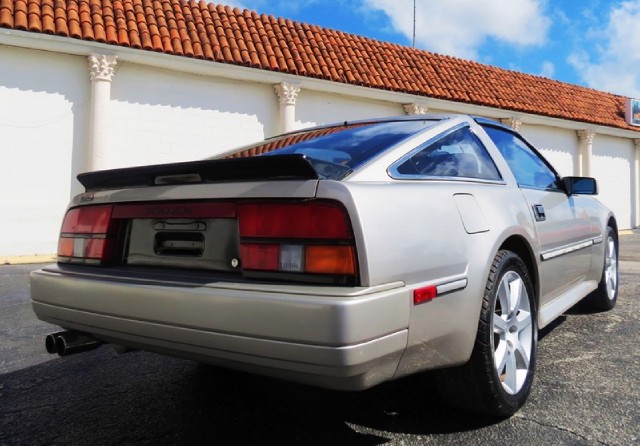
430 117
370 121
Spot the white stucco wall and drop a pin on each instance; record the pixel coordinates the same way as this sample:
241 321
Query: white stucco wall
317 108
612 165
43 121
558 146
160 116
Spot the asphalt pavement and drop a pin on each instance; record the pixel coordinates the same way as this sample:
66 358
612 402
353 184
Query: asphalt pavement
630 246
586 391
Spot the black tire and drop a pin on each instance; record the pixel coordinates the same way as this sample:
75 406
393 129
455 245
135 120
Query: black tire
481 385
604 297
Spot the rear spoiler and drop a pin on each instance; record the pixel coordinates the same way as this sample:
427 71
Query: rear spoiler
258 168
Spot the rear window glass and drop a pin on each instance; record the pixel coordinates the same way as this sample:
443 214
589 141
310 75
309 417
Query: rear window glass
458 154
336 151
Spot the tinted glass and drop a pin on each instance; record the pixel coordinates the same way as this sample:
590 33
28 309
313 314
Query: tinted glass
529 168
336 151
458 154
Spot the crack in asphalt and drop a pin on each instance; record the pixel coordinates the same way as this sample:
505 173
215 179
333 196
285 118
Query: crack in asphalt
562 429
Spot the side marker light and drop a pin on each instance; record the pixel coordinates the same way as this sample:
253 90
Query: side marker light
424 294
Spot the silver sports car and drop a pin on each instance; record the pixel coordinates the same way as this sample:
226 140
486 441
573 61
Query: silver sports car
341 256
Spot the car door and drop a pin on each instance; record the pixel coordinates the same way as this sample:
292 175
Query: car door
562 227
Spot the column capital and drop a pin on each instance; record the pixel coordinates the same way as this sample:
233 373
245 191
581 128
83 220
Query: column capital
637 143
586 136
102 67
585 149
416 108
287 92
514 123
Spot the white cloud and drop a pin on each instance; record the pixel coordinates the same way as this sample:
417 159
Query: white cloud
460 27
615 64
548 69
234 4
285 7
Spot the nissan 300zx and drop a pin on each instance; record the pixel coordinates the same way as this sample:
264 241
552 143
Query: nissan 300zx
341 256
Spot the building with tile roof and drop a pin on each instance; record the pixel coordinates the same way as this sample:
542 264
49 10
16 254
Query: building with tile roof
91 84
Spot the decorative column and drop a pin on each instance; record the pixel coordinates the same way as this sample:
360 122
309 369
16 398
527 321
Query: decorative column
514 123
585 150
287 96
101 71
416 108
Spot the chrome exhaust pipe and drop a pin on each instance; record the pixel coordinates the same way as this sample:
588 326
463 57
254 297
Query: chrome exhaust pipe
70 342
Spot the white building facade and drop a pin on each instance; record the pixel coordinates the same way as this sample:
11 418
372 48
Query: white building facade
68 106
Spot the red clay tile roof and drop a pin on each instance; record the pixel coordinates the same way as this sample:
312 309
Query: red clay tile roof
219 33
295 138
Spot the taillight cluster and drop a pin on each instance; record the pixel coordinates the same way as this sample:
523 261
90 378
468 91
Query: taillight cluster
310 240
88 235
310 237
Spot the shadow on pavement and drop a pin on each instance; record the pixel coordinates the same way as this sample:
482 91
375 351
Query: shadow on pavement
100 398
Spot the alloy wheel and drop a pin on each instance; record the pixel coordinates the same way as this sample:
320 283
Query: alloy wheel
512 332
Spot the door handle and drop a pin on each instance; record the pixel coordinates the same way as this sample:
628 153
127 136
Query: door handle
538 212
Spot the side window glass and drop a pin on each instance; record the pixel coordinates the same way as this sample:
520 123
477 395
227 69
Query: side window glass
530 170
458 154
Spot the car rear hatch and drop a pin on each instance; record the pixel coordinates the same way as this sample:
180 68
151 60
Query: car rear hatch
256 217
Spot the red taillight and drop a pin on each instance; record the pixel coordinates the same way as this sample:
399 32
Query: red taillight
293 220
309 237
87 235
87 220
260 257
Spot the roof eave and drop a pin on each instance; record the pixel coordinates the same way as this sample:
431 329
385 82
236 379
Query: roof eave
71 46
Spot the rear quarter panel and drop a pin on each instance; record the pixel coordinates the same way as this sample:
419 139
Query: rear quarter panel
412 231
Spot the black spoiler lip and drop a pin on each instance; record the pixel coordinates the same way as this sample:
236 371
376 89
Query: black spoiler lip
279 167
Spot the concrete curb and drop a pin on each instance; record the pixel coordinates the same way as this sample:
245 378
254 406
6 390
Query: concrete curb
25 260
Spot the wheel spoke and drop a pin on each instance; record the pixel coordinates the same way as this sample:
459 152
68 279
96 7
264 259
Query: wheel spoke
500 356
522 357
500 326
524 321
510 379
515 295
613 267
614 280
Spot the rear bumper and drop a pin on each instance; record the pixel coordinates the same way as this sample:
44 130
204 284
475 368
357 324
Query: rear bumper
344 338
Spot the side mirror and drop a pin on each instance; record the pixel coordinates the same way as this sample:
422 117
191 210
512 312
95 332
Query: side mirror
580 185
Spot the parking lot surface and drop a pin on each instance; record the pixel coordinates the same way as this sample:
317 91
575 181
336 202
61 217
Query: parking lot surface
586 391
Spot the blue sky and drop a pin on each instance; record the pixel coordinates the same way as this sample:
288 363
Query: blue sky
595 43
